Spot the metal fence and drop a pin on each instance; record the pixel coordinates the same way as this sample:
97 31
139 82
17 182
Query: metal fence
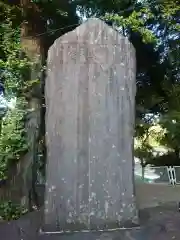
163 174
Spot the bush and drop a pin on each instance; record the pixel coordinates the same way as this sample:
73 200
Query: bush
11 211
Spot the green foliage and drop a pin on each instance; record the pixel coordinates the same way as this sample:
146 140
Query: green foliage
13 142
14 70
9 211
136 21
168 159
143 148
153 28
170 120
171 137
144 153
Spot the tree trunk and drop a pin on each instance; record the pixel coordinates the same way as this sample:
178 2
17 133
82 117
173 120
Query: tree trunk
143 172
177 152
143 165
33 47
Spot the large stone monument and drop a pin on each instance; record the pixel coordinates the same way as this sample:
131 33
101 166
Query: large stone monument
90 98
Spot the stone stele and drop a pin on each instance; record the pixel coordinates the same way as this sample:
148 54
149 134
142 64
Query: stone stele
90 98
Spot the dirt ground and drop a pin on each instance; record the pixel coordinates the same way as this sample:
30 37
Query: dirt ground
158 223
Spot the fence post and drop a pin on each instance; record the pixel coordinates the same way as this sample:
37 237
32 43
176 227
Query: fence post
172 175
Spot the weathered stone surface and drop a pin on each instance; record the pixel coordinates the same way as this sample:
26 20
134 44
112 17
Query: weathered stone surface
90 94
117 235
160 223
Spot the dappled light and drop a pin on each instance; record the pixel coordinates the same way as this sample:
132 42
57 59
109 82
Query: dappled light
89 120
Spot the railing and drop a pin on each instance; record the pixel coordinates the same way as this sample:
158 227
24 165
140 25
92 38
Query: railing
161 174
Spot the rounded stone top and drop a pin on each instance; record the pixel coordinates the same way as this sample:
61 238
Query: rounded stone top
93 31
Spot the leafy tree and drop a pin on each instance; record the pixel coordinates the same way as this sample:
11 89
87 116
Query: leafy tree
28 28
13 143
22 68
171 137
12 71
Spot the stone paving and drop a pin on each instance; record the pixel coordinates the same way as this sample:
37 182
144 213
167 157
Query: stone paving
160 223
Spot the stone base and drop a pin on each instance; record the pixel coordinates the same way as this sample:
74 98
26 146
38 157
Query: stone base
76 227
114 235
